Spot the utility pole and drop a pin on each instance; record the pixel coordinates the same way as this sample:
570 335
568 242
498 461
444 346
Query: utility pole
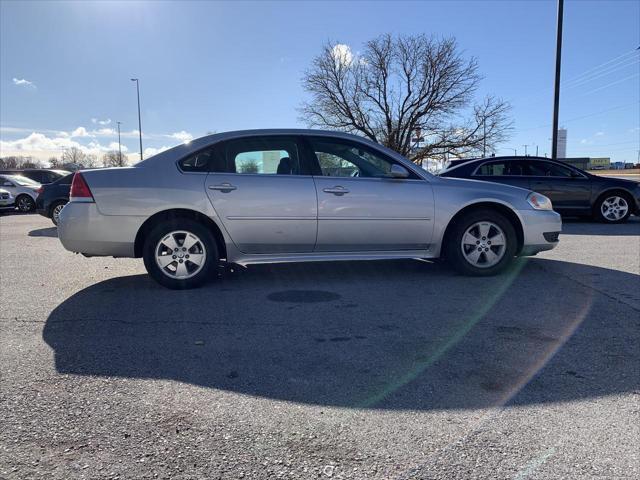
139 119
119 145
556 94
525 149
536 150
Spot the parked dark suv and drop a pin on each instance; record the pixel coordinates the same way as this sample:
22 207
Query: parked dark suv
40 175
53 196
572 191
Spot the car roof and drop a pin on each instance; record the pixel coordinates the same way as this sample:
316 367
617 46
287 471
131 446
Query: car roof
506 157
203 142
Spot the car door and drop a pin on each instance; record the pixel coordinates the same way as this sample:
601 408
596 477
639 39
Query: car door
505 170
264 194
360 206
8 185
568 189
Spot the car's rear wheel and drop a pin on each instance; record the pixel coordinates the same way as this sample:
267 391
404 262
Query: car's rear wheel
481 243
56 208
180 253
613 208
25 203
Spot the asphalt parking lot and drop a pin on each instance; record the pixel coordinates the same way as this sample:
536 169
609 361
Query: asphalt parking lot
381 370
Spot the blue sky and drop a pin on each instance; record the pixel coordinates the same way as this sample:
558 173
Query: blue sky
216 66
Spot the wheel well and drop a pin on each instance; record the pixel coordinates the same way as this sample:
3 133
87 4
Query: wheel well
54 203
619 191
504 210
174 214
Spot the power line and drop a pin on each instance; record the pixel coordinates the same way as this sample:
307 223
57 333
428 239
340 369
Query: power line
581 116
612 84
628 55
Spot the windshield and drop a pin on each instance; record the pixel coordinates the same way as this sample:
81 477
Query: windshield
23 181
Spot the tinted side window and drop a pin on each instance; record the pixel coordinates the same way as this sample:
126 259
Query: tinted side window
204 161
500 168
263 155
547 169
341 158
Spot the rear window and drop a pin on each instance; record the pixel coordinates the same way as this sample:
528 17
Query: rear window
499 169
203 161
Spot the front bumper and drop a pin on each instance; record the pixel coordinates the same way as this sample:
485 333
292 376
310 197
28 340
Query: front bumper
83 229
538 228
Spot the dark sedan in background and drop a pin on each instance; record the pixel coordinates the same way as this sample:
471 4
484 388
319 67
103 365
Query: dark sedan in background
40 175
52 197
572 191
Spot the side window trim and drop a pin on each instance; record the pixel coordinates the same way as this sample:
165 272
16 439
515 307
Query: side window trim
317 170
304 169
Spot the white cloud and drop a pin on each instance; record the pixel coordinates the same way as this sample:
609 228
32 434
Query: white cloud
101 122
184 137
41 146
150 151
80 132
599 134
23 82
104 132
342 55
114 146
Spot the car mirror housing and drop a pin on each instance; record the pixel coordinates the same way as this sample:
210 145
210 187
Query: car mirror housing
398 171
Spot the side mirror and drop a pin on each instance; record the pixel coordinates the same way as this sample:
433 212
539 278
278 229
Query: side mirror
398 171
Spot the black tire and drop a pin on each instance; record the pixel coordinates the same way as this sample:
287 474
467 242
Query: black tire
597 208
161 231
25 203
453 248
52 210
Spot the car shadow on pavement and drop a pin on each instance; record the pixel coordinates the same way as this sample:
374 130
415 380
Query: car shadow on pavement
44 232
392 335
575 226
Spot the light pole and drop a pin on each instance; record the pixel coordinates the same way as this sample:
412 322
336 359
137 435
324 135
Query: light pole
525 149
139 119
556 94
119 145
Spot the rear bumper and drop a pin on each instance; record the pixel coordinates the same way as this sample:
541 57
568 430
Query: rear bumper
539 227
83 229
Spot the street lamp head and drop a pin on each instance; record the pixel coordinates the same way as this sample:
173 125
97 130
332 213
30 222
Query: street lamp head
134 79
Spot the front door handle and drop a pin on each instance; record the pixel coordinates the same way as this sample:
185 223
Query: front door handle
337 190
223 187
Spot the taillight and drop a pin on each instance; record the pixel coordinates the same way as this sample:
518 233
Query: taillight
79 189
40 190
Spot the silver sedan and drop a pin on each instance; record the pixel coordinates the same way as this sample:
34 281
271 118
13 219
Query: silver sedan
266 196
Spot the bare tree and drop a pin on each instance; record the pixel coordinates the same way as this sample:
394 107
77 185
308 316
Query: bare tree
113 159
20 161
55 162
413 94
73 155
90 161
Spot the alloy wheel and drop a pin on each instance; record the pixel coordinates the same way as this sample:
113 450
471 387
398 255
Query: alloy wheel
483 244
614 208
56 213
25 204
180 254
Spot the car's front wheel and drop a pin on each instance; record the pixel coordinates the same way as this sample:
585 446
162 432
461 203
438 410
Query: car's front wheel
180 254
481 243
613 208
25 203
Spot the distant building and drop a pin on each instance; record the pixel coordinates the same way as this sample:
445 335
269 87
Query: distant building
562 143
578 162
617 165
602 163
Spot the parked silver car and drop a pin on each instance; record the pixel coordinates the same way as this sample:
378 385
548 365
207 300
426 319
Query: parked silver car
23 189
268 196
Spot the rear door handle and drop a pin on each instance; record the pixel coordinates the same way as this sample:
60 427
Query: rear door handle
223 187
337 190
